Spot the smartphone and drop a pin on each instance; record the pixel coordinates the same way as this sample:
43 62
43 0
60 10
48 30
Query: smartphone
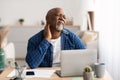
30 73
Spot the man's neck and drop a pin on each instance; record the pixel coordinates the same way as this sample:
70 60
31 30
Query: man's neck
55 34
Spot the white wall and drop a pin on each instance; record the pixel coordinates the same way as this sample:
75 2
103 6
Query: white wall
33 11
107 22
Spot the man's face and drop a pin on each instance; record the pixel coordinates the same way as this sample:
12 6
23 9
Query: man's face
57 20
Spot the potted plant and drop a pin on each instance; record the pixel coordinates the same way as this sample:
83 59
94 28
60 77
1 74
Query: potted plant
3 42
21 20
88 74
2 60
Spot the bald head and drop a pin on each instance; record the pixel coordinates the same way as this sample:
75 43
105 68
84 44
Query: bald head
53 11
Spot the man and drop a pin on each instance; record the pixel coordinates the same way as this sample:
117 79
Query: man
44 47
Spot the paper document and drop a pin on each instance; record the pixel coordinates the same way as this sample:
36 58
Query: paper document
38 73
12 74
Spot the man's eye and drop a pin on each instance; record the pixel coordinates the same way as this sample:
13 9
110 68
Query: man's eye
57 15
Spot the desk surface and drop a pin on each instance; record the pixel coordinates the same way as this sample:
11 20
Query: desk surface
53 77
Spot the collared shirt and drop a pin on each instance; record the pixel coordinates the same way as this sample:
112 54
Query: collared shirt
40 51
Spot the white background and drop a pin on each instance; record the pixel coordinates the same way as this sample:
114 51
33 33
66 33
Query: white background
107 22
33 11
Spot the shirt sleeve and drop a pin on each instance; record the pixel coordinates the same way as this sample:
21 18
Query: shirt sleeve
78 43
35 55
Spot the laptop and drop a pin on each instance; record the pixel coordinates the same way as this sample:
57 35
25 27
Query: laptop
74 61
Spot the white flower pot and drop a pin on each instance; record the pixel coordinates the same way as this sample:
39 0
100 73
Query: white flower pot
88 75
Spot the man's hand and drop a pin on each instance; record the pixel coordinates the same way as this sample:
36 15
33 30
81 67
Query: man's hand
47 32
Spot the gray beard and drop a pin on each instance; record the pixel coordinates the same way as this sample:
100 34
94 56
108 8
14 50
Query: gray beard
59 27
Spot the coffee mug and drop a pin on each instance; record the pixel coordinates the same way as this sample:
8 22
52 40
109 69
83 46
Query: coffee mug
99 69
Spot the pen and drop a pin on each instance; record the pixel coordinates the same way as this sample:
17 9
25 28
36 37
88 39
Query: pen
16 65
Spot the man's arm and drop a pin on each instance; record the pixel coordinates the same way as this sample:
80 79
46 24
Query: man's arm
34 55
78 43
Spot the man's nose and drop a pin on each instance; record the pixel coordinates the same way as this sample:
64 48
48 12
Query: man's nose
61 17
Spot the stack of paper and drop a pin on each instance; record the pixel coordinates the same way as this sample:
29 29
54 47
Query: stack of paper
38 73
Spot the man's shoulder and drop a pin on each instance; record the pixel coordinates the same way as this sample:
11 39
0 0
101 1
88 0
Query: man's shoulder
68 32
37 35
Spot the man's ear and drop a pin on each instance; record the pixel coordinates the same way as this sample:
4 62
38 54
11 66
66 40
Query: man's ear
47 19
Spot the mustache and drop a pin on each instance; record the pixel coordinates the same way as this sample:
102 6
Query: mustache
62 21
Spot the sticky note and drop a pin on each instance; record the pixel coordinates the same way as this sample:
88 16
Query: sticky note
77 78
